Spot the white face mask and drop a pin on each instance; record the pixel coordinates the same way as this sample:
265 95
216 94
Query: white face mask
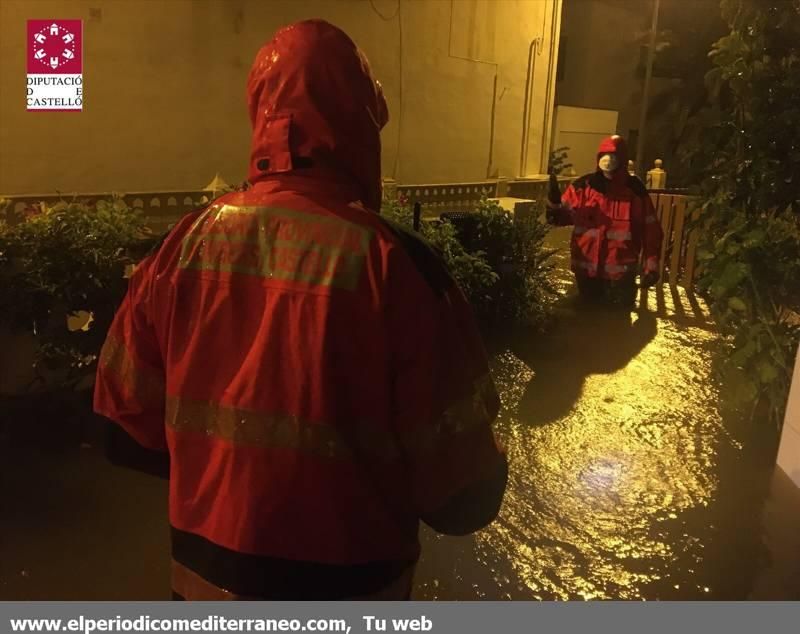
608 163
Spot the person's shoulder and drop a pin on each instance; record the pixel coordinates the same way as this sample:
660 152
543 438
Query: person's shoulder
162 253
636 185
423 256
582 182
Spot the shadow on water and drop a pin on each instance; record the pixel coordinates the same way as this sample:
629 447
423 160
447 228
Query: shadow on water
589 340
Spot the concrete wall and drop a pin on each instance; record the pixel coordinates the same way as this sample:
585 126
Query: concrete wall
164 89
582 130
789 452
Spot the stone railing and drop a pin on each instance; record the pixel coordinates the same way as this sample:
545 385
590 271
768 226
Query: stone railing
439 198
436 199
531 189
161 209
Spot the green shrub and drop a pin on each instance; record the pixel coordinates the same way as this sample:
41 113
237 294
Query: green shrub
559 161
515 249
473 274
749 166
501 264
62 259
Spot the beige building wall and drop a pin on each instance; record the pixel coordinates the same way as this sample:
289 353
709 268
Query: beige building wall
165 79
582 130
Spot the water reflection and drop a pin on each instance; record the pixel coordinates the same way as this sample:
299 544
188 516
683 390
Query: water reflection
612 428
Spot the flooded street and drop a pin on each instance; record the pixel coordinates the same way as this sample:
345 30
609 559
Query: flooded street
613 438
626 483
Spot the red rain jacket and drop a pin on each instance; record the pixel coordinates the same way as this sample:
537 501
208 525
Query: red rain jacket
314 372
615 222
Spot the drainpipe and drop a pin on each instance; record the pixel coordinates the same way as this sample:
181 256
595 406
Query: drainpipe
491 128
548 102
533 51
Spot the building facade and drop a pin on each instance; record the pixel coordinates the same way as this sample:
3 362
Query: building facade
470 87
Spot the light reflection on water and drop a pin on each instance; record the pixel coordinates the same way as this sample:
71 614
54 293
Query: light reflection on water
612 430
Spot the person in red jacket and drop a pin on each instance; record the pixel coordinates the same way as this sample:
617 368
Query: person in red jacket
615 226
314 372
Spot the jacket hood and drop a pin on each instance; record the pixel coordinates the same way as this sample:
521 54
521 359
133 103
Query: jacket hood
313 101
616 145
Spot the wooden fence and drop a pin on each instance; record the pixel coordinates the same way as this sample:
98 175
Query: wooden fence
678 260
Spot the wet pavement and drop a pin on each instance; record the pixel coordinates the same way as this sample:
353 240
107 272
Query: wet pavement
626 482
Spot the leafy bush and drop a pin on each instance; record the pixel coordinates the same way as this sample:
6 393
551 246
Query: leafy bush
499 262
60 260
559 161
751 172
515 249
471 270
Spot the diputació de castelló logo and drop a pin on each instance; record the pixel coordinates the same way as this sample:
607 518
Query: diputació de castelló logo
55 65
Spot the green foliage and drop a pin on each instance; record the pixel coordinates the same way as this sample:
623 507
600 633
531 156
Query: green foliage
61 259
471 270
515 249
749 164
500 264
679 110
559 161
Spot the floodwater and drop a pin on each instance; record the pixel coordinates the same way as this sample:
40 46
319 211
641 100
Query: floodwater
626 483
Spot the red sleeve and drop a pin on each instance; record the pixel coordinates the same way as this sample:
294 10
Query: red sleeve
130 386
571 199
653 236
444 398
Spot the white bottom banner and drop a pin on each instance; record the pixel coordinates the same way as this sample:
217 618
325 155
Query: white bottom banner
403 617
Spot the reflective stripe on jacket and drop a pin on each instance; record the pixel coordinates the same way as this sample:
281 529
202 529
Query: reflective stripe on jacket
615 222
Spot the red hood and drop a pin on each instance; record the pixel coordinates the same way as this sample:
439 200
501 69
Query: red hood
616 145
311 95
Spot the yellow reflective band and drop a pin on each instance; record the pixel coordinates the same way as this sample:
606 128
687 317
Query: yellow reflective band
145 384
617 268
279 244
278 431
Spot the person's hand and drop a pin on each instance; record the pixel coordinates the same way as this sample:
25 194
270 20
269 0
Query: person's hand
650 279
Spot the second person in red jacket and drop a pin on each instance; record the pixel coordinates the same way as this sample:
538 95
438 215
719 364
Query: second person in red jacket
615 227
